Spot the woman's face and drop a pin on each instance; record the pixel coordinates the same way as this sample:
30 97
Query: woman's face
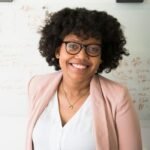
80 66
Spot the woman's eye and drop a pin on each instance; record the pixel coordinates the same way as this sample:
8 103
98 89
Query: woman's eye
73 46
93 49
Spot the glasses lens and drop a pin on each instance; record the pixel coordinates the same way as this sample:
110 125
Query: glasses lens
93 50
72 48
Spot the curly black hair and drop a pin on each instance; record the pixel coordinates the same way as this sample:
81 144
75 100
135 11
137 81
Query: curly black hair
83 23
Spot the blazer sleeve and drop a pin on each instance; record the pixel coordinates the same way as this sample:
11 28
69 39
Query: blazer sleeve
127 124
32 90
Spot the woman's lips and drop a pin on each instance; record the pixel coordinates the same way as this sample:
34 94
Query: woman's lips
79 66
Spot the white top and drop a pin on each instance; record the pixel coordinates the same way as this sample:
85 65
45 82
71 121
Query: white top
77 134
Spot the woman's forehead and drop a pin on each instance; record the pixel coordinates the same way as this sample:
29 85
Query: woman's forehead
75 37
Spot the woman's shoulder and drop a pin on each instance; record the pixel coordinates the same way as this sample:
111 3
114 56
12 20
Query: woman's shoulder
43 78
113 90
38 82
111 84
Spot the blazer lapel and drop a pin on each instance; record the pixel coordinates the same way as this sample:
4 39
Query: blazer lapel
42 103
99 114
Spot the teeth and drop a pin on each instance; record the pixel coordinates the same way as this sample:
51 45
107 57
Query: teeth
79 66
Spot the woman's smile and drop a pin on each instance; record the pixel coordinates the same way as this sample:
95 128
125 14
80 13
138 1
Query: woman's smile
79 66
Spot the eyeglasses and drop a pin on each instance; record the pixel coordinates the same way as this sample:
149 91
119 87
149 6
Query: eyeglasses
74 48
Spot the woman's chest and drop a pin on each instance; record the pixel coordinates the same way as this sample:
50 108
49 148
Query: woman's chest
77 133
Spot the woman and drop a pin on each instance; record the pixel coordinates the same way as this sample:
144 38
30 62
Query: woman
75 108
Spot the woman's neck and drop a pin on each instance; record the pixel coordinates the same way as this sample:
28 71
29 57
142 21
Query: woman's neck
75 89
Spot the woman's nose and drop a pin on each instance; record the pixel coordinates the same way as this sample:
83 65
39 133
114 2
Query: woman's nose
82 54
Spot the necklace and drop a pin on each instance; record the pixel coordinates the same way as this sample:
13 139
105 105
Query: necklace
71 106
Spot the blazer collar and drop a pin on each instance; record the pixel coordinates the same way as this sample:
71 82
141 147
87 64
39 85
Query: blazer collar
99 114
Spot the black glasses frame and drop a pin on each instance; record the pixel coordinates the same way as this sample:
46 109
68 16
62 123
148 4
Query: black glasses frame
81 47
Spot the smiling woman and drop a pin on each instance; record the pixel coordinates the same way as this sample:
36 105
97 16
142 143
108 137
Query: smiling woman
76 108
79 65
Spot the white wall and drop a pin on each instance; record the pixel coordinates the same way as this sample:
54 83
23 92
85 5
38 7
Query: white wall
19 59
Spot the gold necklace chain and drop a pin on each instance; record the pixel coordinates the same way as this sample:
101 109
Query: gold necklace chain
71 106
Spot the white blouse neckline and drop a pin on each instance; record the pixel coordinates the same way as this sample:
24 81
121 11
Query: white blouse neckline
77 133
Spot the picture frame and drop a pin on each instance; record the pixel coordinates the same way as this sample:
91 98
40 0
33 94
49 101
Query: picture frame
6 0
129 1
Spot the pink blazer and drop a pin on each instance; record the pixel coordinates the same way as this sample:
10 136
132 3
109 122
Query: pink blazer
115 121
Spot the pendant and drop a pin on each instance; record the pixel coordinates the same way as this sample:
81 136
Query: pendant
71 106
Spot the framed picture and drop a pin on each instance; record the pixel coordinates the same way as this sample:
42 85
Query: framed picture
129 1
6 0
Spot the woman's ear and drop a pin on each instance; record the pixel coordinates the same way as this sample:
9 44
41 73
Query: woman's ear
57 52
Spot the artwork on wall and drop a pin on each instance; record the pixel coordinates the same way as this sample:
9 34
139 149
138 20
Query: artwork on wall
6 0
129 1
